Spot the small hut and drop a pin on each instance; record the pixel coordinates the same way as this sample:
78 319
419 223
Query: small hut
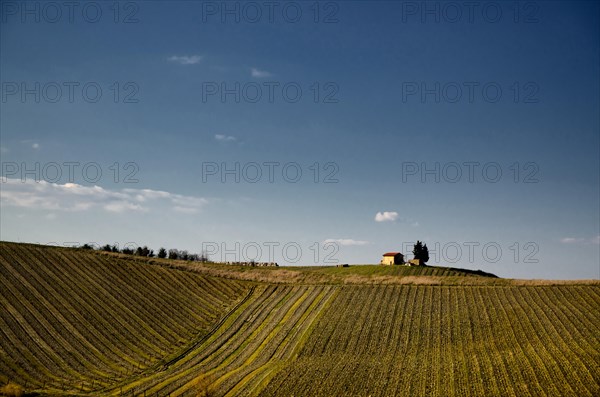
392 258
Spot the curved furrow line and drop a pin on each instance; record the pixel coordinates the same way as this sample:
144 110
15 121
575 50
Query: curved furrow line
160 307
275 342
77 350
120 303
27 357
73 315
221 346
208 344
313 346
109 324
33 346
71 309
130 296
237 368
170 285
85 295
108 305
250 341
291 354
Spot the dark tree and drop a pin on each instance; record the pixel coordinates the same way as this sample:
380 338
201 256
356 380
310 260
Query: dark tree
162 253
86 246
173 254
144 251
425 254
421 252
184 255
115 248
127 250
107 248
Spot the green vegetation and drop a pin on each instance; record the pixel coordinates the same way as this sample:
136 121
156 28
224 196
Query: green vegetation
74 319
85 322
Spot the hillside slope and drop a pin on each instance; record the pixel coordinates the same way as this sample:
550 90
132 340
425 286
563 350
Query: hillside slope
86 323
451 341
75 320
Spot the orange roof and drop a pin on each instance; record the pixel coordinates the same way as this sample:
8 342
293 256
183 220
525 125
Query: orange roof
392 253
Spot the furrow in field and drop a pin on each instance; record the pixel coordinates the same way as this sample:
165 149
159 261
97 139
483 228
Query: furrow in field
209 345
115 301
484 354
245 343
510 332
51 324
73 315
112 320
273 344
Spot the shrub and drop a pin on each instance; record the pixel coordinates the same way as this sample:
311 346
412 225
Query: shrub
12 390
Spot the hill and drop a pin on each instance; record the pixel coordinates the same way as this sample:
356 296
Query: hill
86 323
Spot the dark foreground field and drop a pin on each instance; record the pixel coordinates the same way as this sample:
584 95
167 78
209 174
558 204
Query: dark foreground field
79 322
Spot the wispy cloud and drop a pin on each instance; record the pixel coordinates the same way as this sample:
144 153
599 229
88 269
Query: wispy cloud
185 59
386 216
71 197
33 144
346 241
260 74
581 240
225 138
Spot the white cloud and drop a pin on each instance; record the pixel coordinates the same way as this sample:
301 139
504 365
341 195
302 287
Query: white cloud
346 241
570 240
123 206
259 74
580 240
185 59
72 197
30 142
386 216
225 138
185 210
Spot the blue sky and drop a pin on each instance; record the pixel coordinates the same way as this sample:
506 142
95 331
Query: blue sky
474 128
